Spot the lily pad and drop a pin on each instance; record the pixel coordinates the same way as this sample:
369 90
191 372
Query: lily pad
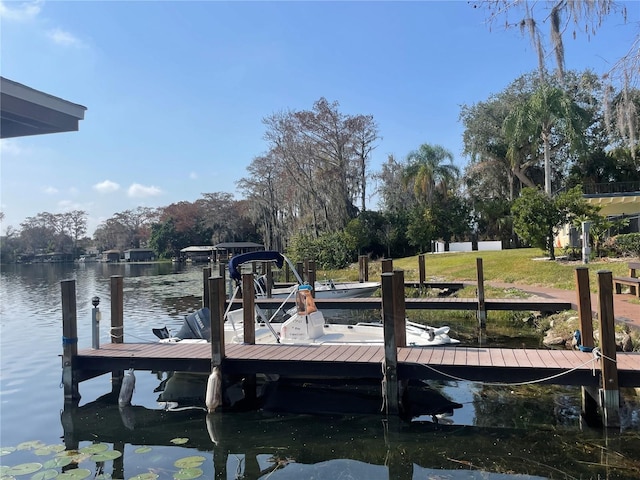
49 449
95 448
31 445
179 441
74 455
24 469
6 450
57 462
188 474
144 449
189 462
106 456
75 474
145 476
45 475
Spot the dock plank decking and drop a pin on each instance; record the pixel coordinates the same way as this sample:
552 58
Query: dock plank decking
480 364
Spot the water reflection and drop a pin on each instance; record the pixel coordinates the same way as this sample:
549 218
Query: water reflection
497 433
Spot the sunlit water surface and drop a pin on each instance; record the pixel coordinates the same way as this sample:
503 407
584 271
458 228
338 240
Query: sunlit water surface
499 433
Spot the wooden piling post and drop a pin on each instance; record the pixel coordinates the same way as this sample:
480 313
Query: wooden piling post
117 325
206 273
300 269
69 340
311 277
217 297
363 268
250 383
422 270
610 393
482 309
390 367
248 309
399 308
584 306
387 265
117 309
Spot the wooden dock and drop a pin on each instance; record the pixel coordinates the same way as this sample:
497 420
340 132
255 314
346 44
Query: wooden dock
485 365
600 375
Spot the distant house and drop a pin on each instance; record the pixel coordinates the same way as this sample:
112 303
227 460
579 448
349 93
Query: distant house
224 251
197 253
111 256
56 257
139 255
617 201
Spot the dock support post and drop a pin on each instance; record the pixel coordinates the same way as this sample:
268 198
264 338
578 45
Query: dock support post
300 269
249 330
399 308
482 309
422 270
390 367
610 393
217 298
117 325
584 306
387 265
363 268
311 277
206 273
69 340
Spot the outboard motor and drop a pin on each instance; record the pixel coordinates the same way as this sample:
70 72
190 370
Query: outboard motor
197 325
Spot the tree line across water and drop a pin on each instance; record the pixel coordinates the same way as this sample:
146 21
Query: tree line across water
308 193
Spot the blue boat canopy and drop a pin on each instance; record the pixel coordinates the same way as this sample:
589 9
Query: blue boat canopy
261 256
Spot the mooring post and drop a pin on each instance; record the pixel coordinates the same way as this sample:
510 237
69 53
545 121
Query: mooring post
399 308
69 339
610 393
584 306
217 297
482 309
300 269
363 268
248 309
311 277
117 325
249 384
421 270
206 273
390 367
117 309
387 265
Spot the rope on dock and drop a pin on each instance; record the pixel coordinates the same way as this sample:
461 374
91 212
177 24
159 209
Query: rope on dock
113 335
596 356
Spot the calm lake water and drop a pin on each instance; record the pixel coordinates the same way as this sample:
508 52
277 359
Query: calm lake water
499 433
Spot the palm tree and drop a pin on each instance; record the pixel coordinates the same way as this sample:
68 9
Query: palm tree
548 111
427 172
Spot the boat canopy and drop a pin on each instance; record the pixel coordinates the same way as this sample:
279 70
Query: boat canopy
261 256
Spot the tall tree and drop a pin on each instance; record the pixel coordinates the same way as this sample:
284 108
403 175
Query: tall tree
427 172
548 111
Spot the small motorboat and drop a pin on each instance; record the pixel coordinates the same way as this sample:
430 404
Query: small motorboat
305 325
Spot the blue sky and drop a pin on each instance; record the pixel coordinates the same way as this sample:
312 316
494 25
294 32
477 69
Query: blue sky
176 91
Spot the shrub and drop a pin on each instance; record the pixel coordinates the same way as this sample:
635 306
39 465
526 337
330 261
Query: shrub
627 244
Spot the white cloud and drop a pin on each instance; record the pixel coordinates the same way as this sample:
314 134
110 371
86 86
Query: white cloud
51 190
141 191
106 187
22 11
11 146
66 39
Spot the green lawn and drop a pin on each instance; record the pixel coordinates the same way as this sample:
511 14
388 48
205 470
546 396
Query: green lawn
526 266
